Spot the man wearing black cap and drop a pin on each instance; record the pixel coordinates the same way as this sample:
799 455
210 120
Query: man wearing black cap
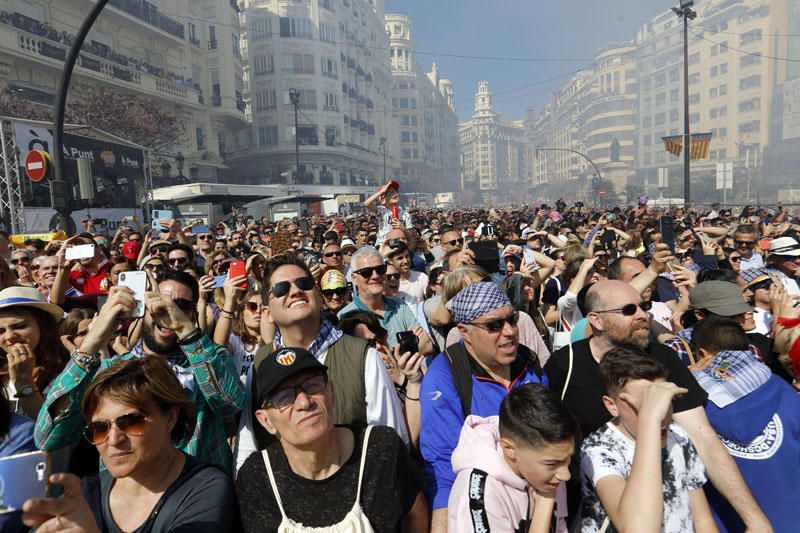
321 475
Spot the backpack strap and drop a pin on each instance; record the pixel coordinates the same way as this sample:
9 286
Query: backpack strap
458 359
531 360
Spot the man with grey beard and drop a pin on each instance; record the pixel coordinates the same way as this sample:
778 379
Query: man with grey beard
618 316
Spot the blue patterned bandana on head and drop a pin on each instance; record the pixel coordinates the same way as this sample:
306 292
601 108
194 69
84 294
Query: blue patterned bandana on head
475 300
731 375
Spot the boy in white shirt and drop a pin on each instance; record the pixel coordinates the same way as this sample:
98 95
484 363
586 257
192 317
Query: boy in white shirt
640 470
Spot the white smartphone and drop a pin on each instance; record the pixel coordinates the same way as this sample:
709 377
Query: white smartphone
81 251
22 477
136 281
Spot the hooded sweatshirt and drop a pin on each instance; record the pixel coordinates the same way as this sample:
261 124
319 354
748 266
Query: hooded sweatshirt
762 433
487 495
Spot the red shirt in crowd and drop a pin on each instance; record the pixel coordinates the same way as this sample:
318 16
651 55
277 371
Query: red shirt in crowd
91 283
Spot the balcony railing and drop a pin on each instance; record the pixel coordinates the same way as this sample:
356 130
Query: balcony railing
149 13
40 47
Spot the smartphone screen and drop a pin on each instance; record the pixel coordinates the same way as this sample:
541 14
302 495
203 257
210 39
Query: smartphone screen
219 281
81 251
667 230
137 282
22 477
236 269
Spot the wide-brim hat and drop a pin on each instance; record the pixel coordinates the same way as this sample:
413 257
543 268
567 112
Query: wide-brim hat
784 246
28 297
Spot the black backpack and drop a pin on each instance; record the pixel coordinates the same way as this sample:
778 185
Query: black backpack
458 358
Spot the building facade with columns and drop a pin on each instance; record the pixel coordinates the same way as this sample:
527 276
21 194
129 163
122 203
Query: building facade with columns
172 83
492 149
423 103
334 55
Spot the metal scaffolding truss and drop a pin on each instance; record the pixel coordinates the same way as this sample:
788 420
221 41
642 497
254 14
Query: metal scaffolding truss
12 216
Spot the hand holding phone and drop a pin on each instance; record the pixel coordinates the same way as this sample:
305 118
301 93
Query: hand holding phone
23 477
408 342
81 251
667 230
238 268
137 282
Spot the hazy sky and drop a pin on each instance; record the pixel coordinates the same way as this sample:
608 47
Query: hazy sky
565 29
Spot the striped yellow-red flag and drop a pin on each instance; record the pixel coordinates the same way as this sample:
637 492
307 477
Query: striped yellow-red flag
699 147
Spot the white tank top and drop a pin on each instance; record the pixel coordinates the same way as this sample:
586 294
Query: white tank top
354 522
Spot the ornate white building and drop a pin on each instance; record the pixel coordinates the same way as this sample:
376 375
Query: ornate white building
492 148
334 54
423 104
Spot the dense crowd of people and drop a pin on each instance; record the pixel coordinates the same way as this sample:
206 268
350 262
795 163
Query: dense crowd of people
547 368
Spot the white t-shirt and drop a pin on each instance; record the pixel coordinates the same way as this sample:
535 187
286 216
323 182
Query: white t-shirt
763 320
412 290
608 452
243 357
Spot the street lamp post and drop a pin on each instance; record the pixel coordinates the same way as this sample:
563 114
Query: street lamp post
686 12
599 178
179 161
383 145
294 98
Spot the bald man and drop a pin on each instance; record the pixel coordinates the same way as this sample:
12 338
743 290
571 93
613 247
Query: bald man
617 316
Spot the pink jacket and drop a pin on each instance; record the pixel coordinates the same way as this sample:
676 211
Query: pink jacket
499 497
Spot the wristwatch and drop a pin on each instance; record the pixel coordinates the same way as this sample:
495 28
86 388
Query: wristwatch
25 391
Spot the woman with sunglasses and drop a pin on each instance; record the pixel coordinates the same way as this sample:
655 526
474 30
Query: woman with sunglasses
335 294
136 412
240 315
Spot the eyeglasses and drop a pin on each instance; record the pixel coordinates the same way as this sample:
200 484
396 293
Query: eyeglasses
455 242
20 260
367 272
286 397
341 292
393 277
744 244
205 237
348 252
629 309
333 254
497 324
154 266
253 307
187 306
282 288
96 432
178 260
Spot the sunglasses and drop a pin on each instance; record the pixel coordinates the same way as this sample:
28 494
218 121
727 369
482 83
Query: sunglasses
629 309
286 397
744 244
134 424
153 266
341 292
367 272
393 277
348 252
761 285
282 288
497 324
20 260
735 258
333 254
253 307
187 306
178 260
455 242
205 237
159 249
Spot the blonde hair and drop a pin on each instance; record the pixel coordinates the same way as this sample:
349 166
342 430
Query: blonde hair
139 383
575 252
454 283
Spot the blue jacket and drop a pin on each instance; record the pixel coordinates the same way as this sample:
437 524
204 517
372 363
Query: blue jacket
442 417
762 433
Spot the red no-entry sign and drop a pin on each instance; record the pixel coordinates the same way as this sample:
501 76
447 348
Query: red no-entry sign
37 165
601 192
